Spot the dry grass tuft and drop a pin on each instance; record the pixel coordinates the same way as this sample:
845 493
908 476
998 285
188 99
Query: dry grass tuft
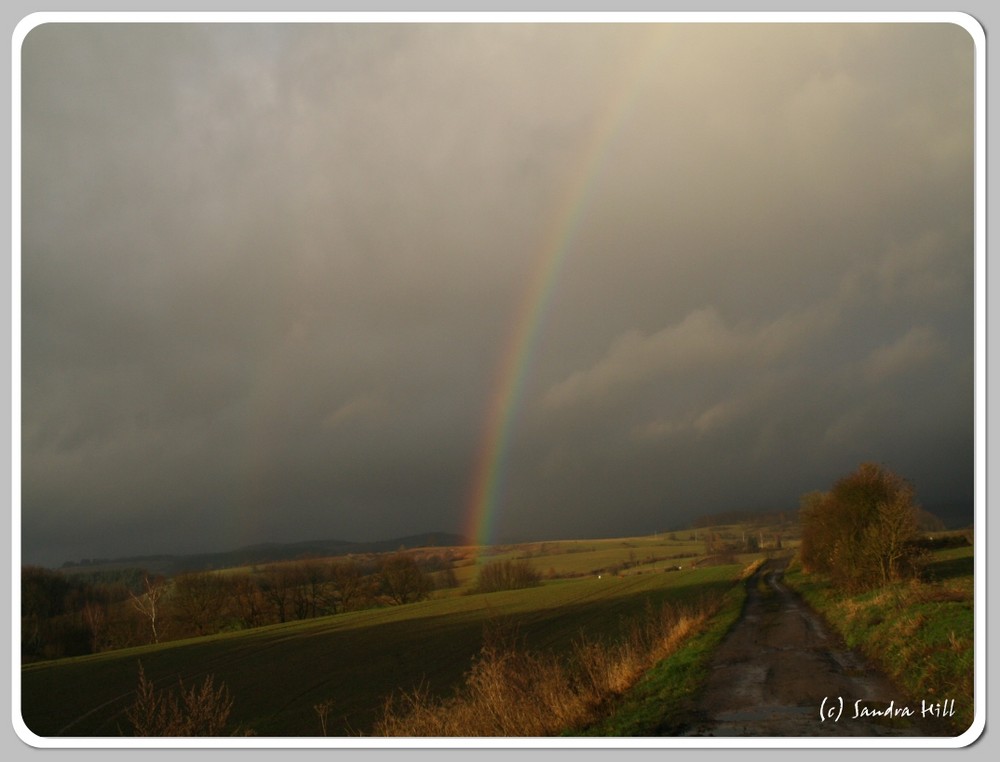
197 711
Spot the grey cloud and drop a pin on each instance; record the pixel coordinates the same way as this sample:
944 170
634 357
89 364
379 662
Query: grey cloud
917 347
699 341
270 272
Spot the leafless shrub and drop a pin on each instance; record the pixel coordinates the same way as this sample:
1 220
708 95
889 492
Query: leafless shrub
195 711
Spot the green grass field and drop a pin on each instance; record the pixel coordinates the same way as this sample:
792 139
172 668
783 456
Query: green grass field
277 675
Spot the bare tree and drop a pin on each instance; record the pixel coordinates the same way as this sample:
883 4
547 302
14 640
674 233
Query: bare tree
198 601
402 580
277 589
888 537
353 584
315 578
95 616
148 602
249 600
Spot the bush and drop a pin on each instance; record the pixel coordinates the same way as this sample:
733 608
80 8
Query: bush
506 575
861 533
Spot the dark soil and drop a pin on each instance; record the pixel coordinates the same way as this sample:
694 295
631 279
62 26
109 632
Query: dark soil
783 672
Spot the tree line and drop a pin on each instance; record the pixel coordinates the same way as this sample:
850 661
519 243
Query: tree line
74 614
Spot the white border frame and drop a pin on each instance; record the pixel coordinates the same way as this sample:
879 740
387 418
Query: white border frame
966 21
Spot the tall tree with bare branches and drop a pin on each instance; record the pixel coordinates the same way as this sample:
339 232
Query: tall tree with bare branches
148 602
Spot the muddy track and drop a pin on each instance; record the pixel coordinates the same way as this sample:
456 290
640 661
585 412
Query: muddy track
781 669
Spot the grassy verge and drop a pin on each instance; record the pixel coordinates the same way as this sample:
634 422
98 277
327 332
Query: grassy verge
659 702
511 691
920 633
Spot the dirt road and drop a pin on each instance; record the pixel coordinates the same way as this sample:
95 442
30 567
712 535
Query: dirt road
781 669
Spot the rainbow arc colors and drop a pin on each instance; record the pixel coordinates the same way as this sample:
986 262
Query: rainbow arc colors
560 233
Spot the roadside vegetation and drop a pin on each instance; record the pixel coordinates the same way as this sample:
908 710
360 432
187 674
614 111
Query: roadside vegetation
862 533
658 703
918 631
511 690
902 596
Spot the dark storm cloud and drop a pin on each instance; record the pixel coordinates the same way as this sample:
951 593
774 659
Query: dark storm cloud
269 272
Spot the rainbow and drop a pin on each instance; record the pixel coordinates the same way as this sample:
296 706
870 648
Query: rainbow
486 485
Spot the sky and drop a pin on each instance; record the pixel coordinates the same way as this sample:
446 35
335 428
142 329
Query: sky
520 281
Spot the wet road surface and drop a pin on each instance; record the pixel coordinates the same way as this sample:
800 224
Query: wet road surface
782 672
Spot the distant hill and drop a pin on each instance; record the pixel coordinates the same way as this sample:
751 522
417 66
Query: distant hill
264 553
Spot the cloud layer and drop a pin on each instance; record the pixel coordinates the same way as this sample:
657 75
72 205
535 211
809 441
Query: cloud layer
270 272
